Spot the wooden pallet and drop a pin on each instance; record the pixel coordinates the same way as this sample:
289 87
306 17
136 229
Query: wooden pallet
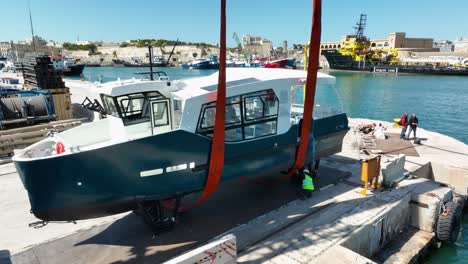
62 104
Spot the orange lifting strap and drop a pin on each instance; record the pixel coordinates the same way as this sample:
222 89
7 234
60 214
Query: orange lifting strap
309 98
217 146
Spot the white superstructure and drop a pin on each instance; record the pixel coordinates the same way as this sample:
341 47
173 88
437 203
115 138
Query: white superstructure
258 104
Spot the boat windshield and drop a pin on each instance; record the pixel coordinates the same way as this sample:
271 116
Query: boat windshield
327 101
132 108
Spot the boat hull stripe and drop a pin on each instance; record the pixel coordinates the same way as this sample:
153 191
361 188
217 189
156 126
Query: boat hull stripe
151 172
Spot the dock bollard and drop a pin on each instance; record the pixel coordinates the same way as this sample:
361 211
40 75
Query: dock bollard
370 173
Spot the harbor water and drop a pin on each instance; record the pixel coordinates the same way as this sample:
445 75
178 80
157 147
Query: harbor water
440 103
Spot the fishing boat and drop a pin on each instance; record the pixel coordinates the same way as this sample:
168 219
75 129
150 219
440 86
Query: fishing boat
155 142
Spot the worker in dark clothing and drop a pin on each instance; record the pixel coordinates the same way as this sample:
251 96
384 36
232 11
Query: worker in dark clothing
413 124
404 125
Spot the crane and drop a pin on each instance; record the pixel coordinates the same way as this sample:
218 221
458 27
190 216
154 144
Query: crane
239 45
240 49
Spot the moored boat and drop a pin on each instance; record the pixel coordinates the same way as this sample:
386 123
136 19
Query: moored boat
69 67
155 142
211 62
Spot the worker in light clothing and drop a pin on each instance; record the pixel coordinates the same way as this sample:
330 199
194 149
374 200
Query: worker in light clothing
307 184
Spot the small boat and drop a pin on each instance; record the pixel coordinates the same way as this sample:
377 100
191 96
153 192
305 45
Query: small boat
211 62
155 142
69 67
118 63
3 61
230 63
280 63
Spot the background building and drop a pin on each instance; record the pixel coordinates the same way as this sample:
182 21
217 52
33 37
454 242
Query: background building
18 51
396 40
256 45
461 45
444 45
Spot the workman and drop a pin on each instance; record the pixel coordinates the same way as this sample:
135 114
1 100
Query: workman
307 184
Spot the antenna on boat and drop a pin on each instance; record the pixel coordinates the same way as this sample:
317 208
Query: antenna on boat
360 26
32 28
150 52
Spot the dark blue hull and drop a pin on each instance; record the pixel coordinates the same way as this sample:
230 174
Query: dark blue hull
107 180
206 65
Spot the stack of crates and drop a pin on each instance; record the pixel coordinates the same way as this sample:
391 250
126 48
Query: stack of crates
38 71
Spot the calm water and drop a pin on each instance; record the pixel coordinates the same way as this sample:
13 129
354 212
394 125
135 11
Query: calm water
439 101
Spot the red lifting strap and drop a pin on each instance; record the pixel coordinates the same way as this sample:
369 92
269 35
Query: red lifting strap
309 98
217 146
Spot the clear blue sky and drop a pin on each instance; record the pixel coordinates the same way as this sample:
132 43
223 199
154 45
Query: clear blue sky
198 20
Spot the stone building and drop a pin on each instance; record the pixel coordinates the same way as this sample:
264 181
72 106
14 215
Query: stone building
444 45
396 40
257 45
18 51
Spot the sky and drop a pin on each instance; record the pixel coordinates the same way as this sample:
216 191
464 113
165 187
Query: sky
198 20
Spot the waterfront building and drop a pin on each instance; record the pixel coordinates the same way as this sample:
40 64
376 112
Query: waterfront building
395 40
257 45
444 45
461 45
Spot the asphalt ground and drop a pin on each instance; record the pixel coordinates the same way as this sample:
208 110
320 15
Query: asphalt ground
130 240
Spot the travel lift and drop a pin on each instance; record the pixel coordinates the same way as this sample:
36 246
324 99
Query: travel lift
153 212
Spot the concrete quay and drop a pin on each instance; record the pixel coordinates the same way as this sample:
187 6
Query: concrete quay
336 225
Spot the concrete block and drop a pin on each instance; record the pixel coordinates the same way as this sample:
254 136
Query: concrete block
383 226
393 170
426 202
456 177
408 250
396 220
222 251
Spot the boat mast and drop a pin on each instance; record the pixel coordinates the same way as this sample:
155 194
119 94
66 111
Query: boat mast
150 52
32 28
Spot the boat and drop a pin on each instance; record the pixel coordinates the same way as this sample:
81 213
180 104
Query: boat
3 61
69 67
230 63
279 63
210 63
118 63
90 64
239 63
157 62
356 54
155 142
338 61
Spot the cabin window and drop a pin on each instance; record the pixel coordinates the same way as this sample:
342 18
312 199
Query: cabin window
248 116
263 104
233 113
160 116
